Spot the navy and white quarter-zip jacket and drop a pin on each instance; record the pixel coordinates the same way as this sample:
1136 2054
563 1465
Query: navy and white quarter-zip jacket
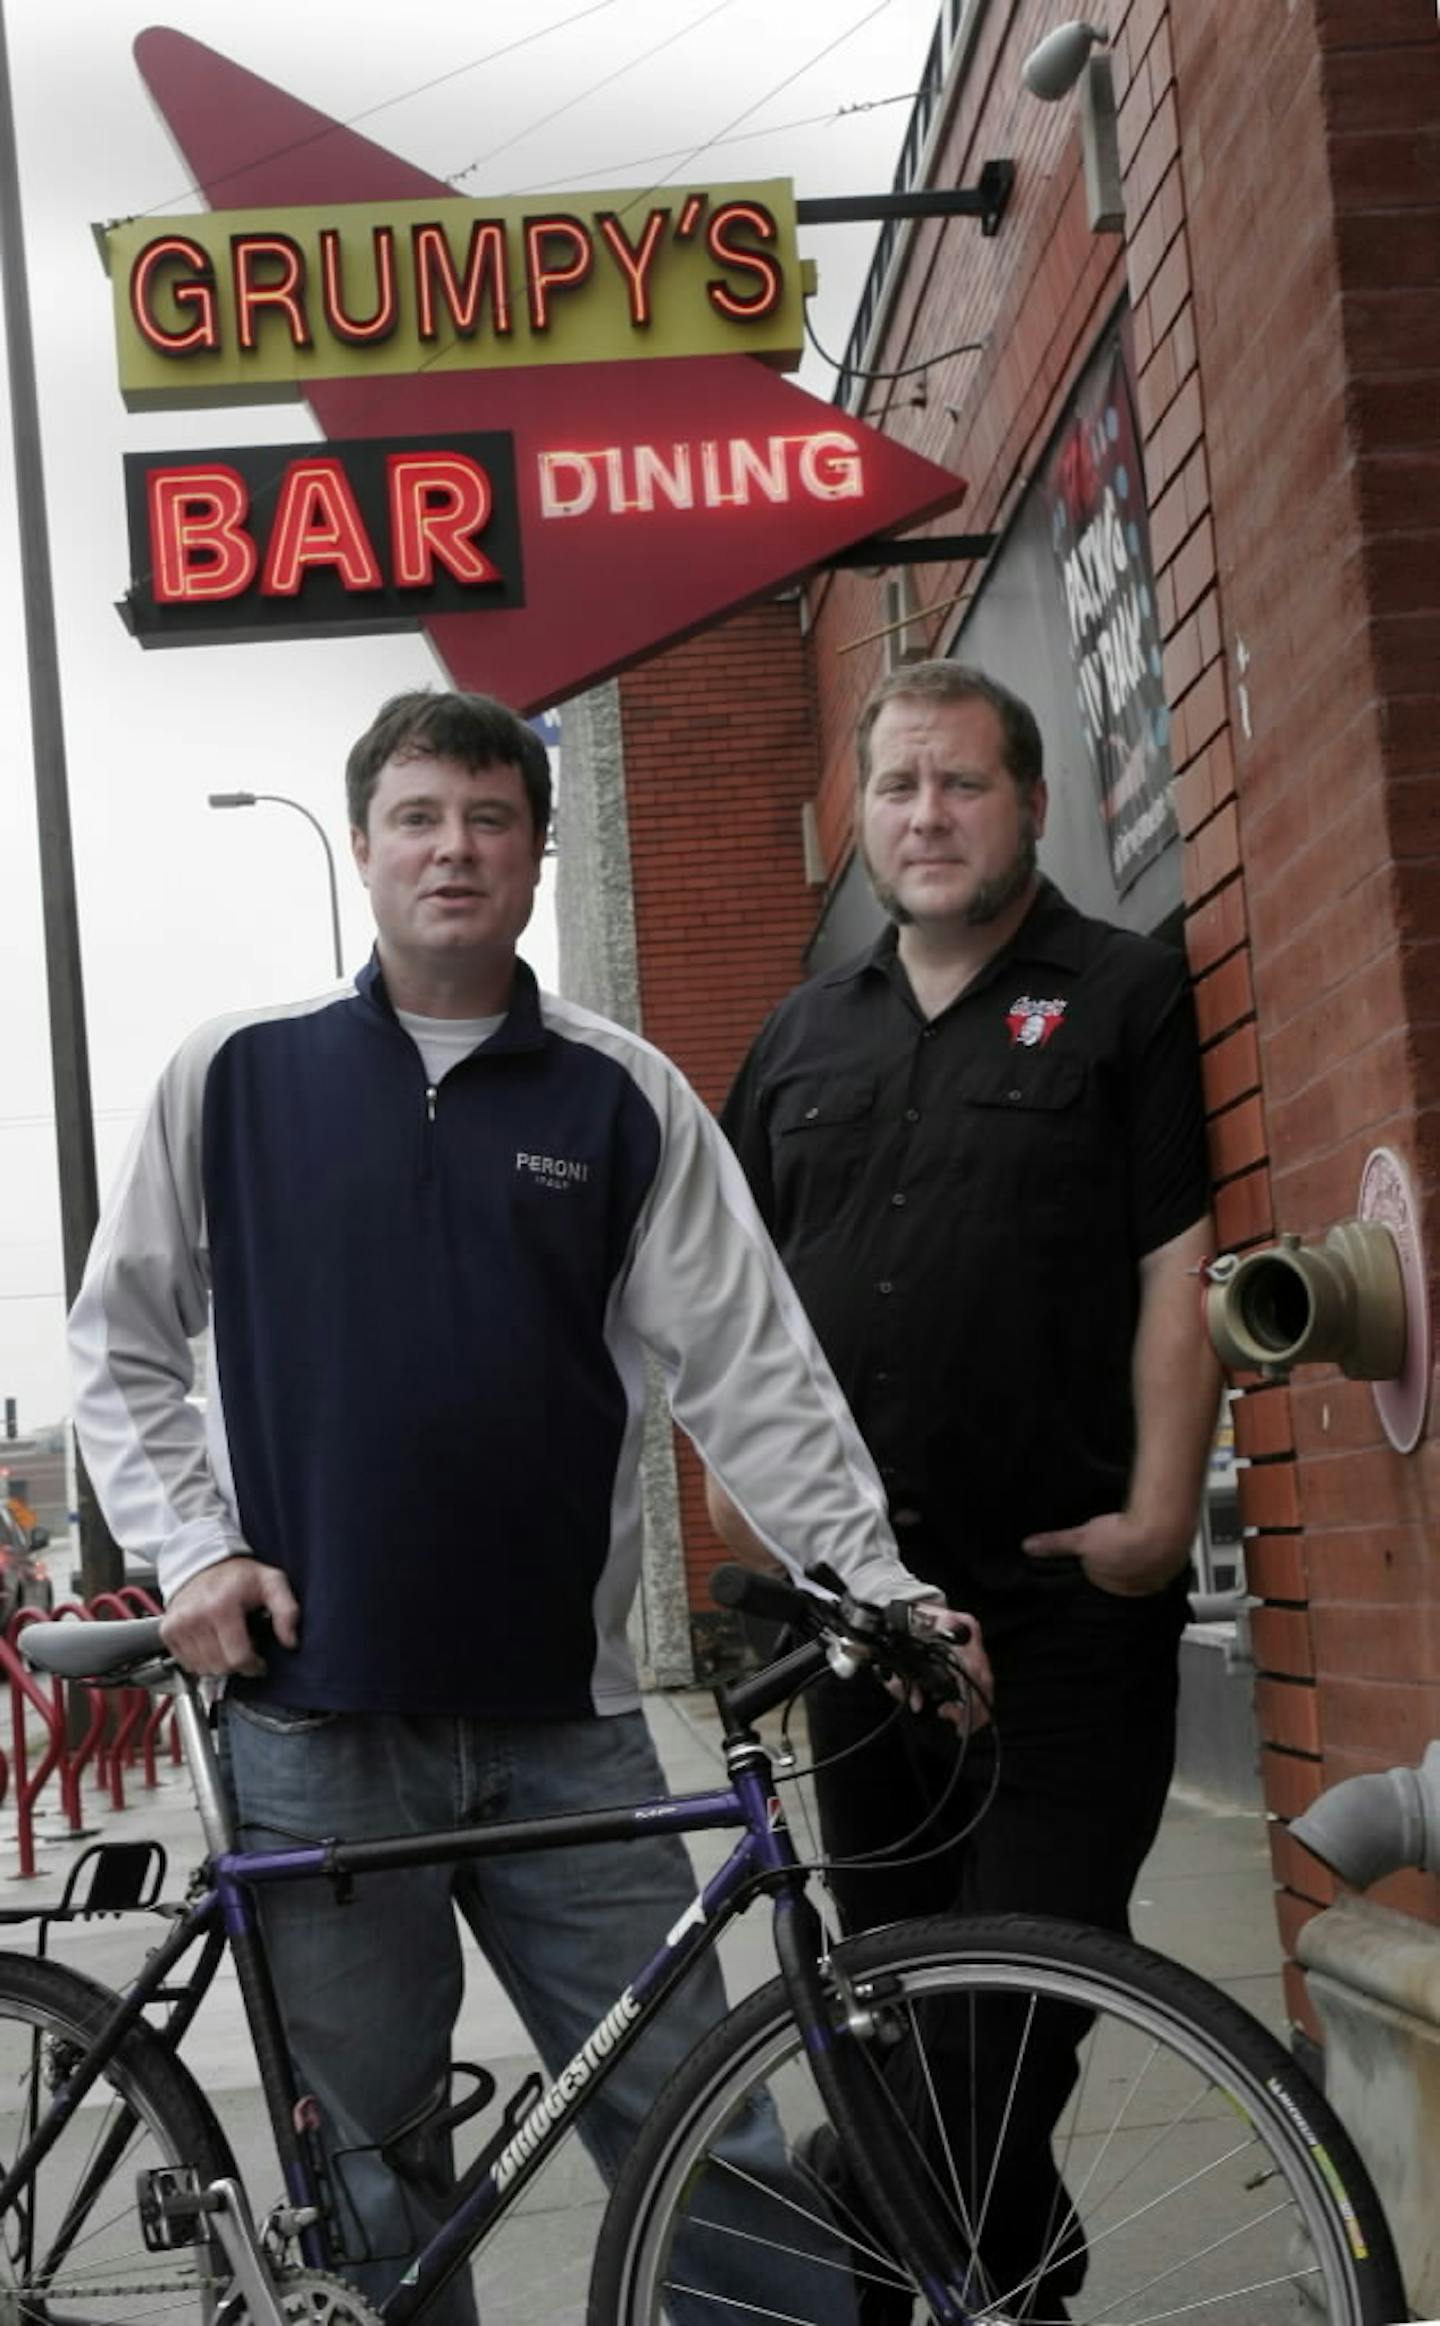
429 1309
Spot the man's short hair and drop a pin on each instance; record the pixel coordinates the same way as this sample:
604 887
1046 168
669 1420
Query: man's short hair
958 682
426 724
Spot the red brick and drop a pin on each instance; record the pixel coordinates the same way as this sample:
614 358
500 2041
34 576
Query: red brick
1155 150
1169 522
1194 567
1202 713
1224 997
1399 489
1397 1642
1365 91
1275 1566
1182 662
1262 1422
1179 431
1237 1138
1216 928
1231 1068
1290 1781
1347 1489
1160 60
1331 1413
1280 1639
1288 1712
1374 1086
1394 1719
1399 330
1269 1495
1393 411
1243 1212
1311 942
1214 853
1298 1869
1194 801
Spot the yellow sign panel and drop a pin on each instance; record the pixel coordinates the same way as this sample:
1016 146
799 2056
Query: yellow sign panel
238 306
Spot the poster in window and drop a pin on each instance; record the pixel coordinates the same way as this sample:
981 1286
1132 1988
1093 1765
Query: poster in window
1101 539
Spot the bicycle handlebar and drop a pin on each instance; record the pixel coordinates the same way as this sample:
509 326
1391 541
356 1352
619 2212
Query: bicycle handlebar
898 1642
842 1634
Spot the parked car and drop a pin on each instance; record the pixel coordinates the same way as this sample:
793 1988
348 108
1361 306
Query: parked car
24 1577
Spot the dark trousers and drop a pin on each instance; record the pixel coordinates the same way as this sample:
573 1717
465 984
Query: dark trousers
1085 1690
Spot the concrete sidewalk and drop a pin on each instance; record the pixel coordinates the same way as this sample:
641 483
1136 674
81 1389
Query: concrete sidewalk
1205 1897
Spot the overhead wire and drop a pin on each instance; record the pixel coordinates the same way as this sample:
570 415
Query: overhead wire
384 104
597 172
592 90
903 371
781 85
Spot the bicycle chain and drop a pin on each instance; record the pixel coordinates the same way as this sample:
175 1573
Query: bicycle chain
305 2295
72 2289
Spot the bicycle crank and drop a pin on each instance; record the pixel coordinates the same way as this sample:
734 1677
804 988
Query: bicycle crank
312 2297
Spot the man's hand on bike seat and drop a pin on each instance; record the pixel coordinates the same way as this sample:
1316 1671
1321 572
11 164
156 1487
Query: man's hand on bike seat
208 1625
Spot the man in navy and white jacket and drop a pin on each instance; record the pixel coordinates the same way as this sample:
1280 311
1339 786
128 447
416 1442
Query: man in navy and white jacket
432 1224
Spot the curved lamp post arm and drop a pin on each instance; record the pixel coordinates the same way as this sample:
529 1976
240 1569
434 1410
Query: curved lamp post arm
250 799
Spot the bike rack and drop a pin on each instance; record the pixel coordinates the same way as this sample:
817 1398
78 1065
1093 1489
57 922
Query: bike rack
137 1733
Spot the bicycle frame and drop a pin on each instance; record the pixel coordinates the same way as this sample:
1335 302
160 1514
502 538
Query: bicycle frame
763 1858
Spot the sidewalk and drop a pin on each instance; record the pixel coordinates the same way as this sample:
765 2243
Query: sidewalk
1204 1896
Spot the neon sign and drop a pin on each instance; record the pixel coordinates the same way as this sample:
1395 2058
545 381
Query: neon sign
304 540
249 306
310 539
729 472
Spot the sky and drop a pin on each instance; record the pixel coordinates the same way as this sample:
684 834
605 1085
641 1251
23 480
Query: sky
186 912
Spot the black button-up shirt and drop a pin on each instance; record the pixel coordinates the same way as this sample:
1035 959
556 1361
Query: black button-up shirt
962 1205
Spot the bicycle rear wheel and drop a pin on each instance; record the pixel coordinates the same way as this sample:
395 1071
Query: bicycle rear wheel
71 2249
1192 2170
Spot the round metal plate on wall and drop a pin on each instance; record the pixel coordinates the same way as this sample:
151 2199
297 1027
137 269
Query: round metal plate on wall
1387 1197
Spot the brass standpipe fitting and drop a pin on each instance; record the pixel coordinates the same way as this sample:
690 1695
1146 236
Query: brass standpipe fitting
1340 1302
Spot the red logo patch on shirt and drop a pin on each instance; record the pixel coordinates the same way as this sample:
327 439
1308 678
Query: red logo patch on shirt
1032 1023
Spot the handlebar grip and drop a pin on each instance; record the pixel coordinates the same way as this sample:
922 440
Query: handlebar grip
901 1614
757 1594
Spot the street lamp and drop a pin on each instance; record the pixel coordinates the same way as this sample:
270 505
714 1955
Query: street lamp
251 799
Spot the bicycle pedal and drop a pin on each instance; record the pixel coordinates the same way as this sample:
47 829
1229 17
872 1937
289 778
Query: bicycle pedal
173 2206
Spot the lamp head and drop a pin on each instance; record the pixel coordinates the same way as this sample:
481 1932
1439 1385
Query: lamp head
231 799
1051 71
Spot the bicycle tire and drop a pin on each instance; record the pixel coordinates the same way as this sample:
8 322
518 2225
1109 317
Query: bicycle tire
1200 2172
72 2248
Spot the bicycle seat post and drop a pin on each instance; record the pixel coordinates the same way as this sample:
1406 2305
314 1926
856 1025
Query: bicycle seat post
211 1800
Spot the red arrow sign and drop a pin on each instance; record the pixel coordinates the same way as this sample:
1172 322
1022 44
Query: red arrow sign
653 496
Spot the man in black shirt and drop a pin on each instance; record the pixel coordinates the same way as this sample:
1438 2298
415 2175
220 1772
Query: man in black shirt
980 1149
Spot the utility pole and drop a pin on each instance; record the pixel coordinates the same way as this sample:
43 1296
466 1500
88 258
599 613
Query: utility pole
100 1561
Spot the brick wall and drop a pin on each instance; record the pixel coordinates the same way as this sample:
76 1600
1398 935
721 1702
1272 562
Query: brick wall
1310 222
720 759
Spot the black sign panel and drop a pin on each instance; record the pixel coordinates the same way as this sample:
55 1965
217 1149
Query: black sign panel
318 540
1100 534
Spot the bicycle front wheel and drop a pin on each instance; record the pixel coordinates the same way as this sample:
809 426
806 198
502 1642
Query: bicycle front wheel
1105 2137
72 2251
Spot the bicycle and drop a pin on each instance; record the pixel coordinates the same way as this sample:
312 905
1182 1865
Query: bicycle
121 2196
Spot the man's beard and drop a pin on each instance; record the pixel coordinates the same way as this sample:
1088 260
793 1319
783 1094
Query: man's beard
991 898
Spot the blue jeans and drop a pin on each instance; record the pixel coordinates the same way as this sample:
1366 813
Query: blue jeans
370 1990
